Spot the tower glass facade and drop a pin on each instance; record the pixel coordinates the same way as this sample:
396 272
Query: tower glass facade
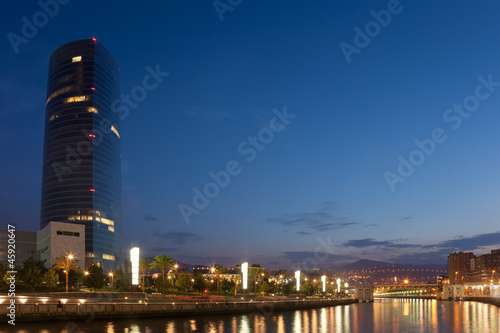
81 180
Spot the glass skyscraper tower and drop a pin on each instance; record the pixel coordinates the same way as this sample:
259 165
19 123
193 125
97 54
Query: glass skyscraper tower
81 180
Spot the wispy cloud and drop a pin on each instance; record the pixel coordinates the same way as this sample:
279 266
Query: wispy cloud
367 242
469 243
428 253
149 218
316 221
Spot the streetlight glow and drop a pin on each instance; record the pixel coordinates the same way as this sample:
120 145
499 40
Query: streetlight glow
297 280
244 272
134 260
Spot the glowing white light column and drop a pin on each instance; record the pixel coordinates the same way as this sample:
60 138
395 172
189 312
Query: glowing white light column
323 279
338 285
134 260
244 271
297 278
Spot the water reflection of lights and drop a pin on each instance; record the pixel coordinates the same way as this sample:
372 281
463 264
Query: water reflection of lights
244 325
280 324
297 322
322 320
314 321
110 328
338 320
134 328
347 319
406 309
305 321
234 325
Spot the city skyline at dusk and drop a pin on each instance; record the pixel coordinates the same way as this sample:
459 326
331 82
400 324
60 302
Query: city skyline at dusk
322 135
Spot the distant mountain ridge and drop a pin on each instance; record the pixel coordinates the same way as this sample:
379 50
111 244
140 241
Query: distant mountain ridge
362 264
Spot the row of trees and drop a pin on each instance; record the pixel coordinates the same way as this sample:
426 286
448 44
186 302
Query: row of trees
185 282
33 274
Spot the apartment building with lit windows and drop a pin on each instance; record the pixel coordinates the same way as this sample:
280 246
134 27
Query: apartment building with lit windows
81 179
459 267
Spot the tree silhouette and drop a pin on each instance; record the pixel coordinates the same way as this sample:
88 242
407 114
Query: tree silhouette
162 262
144 265
66 264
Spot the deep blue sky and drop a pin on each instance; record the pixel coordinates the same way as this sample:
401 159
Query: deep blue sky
320 180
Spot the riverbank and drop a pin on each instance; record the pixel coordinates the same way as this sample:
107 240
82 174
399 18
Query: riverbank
158 308
483 299
406 296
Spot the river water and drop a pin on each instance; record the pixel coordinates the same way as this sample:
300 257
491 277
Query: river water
382 316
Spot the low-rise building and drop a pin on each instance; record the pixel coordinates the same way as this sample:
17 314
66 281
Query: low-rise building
59 239
24 245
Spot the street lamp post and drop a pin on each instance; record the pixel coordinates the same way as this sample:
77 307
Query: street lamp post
262 284
111 275
68 265
175 275
86 275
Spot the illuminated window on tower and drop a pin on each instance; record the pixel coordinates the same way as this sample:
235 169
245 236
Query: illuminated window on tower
76 99
115 131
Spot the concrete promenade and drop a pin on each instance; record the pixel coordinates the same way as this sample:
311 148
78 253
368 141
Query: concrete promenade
79 309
